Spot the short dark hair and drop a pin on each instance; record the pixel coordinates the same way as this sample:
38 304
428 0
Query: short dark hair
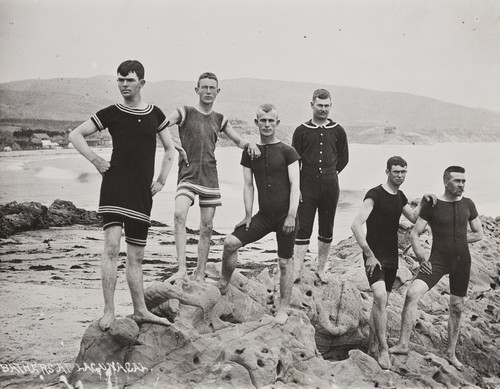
130 66
322 94
395 161
267 108
208 75
452 169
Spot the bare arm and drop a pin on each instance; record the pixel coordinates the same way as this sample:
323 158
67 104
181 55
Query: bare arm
175 118
418 229
294 179
477 231
412 214
166 164
357 228
251 147
77 138
248 192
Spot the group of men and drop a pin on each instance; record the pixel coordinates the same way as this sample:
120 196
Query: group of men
293 184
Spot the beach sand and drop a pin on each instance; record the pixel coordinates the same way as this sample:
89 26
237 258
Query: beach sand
51 291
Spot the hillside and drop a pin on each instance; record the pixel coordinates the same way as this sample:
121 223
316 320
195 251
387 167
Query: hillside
364 113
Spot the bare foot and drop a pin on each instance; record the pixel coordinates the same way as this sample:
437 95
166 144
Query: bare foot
452 359
399 350
281 317
223 286
176 276
322 276
106 321
199 278
148 317
384 360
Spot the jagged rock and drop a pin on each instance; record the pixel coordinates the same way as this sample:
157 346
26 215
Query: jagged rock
64 213
15 217
232 341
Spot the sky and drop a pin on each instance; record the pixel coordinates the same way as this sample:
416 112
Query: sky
446 50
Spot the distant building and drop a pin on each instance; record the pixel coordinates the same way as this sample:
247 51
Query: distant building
7 148
40 136
48 144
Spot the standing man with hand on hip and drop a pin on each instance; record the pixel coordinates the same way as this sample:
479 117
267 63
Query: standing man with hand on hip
127 184
323 149
449 254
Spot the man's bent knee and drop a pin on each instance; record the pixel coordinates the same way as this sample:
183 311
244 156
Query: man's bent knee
456 305
206 227
180 217
111 250
284 262
417 289
231 243
379 293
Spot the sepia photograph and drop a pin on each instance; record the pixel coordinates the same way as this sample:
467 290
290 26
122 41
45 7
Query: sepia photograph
249 194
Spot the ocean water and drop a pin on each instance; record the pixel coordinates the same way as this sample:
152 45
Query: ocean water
44 176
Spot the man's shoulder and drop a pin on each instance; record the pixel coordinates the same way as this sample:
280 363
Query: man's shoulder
284 146
377 188
468 201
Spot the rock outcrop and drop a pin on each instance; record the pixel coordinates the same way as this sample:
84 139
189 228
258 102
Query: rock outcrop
15 217
232 341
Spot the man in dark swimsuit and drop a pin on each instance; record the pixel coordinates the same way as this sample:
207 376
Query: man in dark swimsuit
449 255
276 175
381 211
127 185
324 153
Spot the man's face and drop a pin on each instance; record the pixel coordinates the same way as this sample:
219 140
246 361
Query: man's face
321 108
397 175
129 85
207 90
455 185
267 122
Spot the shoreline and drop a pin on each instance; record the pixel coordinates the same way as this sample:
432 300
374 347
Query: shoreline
47 310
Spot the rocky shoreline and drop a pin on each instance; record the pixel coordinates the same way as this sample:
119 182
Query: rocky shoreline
229 341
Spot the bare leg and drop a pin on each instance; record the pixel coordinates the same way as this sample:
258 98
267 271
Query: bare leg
135 254
286 285
323 251
206 226
454 324
417 289
229 260
112 236
379 315
372 338
182 204
299 254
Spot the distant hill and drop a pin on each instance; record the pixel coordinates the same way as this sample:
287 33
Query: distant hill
368 116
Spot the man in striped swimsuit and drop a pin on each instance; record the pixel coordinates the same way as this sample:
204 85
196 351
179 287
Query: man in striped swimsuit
199 129
127 185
